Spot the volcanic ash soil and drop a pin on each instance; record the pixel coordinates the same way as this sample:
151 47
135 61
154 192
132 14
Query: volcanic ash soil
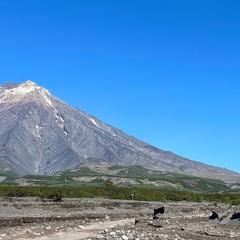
90 219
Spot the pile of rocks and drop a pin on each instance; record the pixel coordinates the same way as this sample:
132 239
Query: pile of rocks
133 233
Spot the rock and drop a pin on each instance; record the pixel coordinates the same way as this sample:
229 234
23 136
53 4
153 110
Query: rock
81 226
106 230
36 234
113 234
136 221
99 237
214 216
235 216
233 235
158 212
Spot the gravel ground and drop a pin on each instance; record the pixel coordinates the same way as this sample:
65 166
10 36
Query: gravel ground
76 219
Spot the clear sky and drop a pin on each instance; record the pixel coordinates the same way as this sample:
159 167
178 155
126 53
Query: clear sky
164 71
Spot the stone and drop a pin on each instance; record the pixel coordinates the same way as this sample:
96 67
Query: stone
124 237
113 234
99 237
81 226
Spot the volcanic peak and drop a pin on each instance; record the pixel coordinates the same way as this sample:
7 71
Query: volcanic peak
19 91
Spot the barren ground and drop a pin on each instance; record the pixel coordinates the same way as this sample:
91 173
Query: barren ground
76 219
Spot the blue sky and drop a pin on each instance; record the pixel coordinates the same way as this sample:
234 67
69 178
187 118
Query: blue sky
166 72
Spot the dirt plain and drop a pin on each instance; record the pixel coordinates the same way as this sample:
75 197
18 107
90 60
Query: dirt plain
78 219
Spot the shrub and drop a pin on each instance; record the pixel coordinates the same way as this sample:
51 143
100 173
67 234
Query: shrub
55 196
16 193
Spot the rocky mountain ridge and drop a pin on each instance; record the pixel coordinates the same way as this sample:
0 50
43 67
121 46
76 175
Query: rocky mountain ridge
40 134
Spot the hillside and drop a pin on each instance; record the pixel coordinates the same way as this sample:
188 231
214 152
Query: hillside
98 175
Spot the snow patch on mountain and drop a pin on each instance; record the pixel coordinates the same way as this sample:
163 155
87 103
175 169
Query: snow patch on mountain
94 122
38 131
46 95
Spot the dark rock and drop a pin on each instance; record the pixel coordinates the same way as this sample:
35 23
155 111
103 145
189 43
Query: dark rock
214 216
136 221
235 216
158 212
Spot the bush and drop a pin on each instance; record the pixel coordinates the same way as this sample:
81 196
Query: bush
16 193
55 196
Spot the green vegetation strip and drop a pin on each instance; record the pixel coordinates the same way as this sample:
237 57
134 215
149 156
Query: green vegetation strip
112 192
138 174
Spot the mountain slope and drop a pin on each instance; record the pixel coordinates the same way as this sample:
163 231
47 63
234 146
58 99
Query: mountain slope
123 176
40 134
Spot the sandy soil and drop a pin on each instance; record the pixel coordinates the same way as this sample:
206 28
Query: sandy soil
33 218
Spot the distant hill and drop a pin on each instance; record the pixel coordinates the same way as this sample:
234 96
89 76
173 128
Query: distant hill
98 175
40 134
